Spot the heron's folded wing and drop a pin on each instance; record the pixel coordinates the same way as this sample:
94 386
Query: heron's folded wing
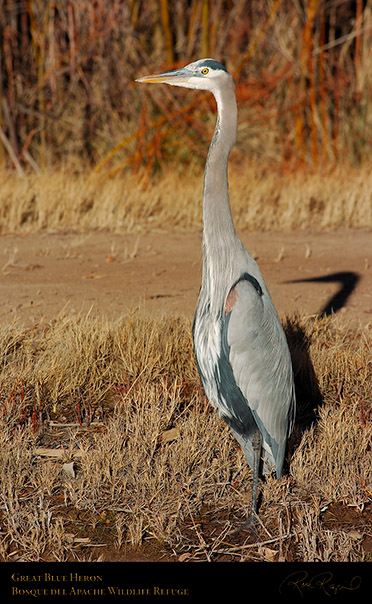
260 360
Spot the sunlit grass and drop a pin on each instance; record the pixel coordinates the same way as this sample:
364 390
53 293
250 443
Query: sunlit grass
261 199
124 401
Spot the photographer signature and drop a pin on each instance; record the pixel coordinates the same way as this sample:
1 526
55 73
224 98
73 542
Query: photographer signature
302 581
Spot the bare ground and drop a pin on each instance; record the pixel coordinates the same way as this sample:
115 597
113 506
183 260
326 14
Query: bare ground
307 273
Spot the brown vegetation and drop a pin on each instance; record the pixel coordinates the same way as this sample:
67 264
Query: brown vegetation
68 69
261 200
147 463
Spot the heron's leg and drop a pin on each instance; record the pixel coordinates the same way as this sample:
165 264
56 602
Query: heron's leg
257 447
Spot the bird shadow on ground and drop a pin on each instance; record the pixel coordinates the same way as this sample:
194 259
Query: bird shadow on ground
308 395
348 281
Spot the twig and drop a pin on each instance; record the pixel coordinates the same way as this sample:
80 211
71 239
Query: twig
57 453
341 40
12 155
202 542
28 157
235 549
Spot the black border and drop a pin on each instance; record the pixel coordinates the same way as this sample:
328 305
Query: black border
185 582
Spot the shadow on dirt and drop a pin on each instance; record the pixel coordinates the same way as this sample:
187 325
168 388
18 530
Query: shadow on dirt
348 281
308 394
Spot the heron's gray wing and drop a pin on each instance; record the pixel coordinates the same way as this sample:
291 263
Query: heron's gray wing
260 361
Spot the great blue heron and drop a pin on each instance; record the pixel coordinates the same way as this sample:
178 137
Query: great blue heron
240 346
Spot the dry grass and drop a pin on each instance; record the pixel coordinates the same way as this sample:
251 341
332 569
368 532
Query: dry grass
153 464
262 199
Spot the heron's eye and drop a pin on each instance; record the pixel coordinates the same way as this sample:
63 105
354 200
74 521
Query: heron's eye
205 71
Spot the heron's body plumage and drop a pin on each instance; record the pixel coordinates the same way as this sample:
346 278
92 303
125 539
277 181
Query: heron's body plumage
245 373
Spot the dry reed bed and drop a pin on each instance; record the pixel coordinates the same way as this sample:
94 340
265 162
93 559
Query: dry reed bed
155 464
67 72
261 199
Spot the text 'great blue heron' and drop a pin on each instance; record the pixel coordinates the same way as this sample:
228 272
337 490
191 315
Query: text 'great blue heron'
240 346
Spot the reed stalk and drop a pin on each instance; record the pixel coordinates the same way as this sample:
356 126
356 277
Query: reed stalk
205 29
323 91
167 31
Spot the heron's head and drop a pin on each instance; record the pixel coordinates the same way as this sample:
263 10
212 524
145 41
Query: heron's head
205 74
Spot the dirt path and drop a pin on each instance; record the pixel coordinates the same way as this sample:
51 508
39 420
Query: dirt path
42 274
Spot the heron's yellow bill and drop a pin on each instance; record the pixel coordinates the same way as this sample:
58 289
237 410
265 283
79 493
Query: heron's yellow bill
177 77
152 79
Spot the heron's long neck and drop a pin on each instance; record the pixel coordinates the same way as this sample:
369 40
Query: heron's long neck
219 237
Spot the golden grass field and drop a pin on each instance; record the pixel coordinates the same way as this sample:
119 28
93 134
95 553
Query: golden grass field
261 198
109 448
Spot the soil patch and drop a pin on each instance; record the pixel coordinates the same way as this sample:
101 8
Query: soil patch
307 273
